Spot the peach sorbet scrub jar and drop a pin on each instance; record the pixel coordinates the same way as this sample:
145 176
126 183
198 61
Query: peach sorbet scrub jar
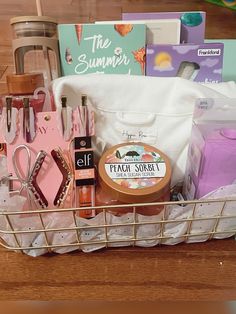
134 173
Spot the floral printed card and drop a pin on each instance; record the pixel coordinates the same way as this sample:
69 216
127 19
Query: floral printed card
110 49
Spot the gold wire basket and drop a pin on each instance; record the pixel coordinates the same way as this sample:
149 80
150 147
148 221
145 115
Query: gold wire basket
221 224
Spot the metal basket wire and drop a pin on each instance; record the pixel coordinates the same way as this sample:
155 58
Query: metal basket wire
162 221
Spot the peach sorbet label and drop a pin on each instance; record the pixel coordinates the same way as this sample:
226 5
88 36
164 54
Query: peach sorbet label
135 166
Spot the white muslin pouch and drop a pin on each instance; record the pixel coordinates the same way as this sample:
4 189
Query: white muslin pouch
157 111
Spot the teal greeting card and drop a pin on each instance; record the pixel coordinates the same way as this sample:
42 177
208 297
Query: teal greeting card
110 49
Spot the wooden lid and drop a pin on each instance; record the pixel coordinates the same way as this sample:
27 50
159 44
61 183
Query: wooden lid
21 84
34 18
135 172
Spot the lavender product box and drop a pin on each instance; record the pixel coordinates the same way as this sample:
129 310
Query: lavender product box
212 147
199 63
192 23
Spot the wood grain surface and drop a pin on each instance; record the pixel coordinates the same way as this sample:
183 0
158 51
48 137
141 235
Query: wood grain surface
205 271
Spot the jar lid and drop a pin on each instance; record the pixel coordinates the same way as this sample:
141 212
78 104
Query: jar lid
135 172
21 84
34 18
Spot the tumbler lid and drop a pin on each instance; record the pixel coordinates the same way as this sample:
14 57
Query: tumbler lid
34 18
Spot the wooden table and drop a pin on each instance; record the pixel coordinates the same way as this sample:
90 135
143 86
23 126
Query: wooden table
205 271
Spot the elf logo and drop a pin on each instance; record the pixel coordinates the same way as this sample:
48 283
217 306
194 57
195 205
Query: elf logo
209 52
84 159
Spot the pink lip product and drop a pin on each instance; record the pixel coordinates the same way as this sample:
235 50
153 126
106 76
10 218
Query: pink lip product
84 176
84 162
